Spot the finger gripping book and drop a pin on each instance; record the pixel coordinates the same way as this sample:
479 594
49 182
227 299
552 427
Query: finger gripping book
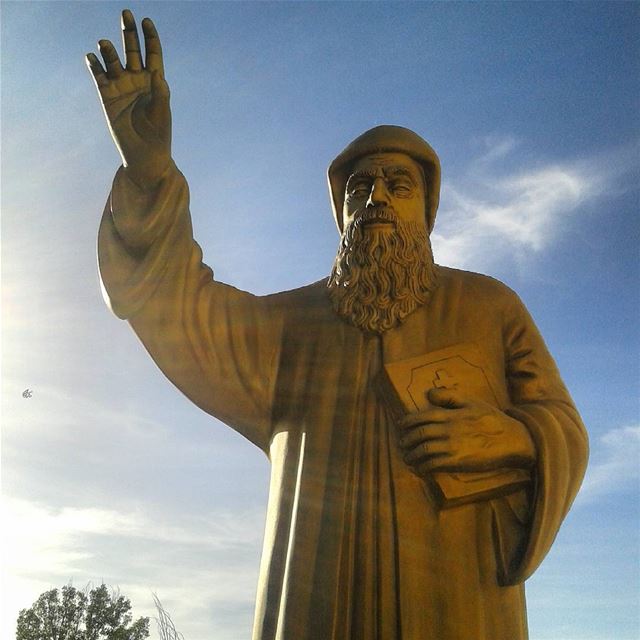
406 384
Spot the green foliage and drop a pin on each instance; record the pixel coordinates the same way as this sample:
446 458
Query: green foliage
80 615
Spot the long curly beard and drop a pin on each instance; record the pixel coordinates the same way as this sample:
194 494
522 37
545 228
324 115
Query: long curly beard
380 276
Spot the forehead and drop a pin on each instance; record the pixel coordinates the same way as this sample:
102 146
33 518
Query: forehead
387 162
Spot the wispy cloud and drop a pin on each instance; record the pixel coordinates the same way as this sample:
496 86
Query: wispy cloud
40 536
503 210
196 565
494 147
615 466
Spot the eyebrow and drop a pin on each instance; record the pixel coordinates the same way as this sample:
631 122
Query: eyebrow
392 171
400 171
363 173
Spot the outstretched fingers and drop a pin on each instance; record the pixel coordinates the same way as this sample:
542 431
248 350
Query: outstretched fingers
131 42
97 71
132 52
152 47
111 59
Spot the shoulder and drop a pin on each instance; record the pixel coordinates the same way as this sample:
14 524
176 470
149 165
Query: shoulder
475 286
314 294
478 292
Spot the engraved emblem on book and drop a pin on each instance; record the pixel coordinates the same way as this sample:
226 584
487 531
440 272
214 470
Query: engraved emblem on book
462 367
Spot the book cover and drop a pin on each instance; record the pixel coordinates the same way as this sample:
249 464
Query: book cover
461 367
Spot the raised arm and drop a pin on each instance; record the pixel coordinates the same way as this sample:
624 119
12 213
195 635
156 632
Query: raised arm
217 344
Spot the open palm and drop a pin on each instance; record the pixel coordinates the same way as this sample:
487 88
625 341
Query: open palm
135 99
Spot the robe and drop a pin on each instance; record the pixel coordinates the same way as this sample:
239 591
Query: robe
356 546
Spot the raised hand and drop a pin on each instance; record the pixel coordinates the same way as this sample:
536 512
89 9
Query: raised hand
135 99
460 434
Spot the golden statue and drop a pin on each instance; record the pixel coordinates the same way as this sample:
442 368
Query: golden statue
424 449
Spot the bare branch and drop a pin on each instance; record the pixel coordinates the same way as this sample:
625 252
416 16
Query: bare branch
166 628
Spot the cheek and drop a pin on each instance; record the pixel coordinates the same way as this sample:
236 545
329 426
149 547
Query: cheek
350 208
419 214
346 217
410 211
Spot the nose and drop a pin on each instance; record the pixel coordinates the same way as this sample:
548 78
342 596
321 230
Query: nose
379 196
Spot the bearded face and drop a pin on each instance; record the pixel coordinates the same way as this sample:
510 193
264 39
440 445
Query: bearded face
383 271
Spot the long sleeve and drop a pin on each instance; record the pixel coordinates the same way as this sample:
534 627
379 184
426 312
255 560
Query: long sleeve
527 524
217 344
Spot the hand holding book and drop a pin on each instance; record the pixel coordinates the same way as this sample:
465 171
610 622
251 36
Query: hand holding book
459 434
453 430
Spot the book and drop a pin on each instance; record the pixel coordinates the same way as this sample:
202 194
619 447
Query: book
406 384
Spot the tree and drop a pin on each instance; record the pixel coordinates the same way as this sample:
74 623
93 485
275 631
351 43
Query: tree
92 614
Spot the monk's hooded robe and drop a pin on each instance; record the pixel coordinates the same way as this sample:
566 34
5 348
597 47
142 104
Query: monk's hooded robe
356 547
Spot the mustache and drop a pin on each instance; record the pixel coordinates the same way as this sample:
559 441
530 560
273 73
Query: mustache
374 214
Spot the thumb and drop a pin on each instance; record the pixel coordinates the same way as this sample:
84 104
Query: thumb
446 398
159 106
159 86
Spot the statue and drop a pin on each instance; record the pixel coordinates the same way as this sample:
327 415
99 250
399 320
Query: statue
424 449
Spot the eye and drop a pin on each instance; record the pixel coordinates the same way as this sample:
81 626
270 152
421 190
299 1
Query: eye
402 189
359 190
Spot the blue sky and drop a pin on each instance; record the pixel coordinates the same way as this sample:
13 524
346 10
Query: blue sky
108 472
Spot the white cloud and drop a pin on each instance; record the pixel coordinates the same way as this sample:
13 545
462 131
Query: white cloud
498 213
495 147
197 565
201 562
615 464
37 536
531 201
